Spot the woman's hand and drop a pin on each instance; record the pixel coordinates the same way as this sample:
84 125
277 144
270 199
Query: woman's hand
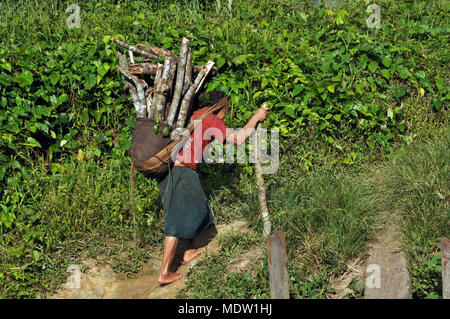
261 113
239 137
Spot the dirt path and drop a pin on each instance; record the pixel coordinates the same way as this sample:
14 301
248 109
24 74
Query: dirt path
389 263
101 282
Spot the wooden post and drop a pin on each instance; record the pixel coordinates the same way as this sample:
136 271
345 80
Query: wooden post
278 275
276 246
445 255
263 210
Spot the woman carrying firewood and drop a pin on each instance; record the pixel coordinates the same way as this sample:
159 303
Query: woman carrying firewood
186 208
164 108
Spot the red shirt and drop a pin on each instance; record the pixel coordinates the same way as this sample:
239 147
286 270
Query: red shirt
197 146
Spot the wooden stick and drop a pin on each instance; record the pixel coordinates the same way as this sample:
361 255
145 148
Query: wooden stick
155 95
188 72
162 88
158 51
276 244
130 54
150 68
260 185
208 67
197 69
141 86
173 68
149 99
134 49
185 104
179 81
131 88
142 68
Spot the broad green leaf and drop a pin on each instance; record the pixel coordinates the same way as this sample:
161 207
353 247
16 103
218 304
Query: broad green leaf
54 77
437 103
363 59
387 61
385 73
218 32
220 62
91 81
24 79
6 66
330 88
2 172
62 99
373 66
264 82
258 93
290 110
297 89
440 84
4 80
35 255
33 142
241 59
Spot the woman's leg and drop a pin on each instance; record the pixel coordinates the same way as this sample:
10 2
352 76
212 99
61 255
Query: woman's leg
191 253
165 276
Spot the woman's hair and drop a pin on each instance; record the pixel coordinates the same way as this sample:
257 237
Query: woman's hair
212 98
215 96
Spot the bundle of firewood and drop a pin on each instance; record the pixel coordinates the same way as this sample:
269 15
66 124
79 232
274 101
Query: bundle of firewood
152 87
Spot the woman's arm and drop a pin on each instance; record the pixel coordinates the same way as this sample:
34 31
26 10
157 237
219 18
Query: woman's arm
239 137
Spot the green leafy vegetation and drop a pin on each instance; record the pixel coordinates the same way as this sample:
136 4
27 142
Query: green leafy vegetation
344 96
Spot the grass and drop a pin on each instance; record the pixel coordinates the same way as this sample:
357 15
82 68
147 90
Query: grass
330 214
76 208
416 184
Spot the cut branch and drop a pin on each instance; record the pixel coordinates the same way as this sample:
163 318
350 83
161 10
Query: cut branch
142 68
188 72
260 185
131 88
161 89
198 68
134 49
185 104
179 81
158 51
150 68
155 95
208 67
130 54
148 100
141 86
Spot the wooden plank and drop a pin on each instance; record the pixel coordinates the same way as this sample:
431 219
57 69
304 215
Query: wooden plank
278 276
445 255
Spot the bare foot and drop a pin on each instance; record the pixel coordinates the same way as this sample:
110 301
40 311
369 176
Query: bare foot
191 254
169 277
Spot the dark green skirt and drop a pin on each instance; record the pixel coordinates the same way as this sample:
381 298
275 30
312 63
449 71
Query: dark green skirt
186 209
